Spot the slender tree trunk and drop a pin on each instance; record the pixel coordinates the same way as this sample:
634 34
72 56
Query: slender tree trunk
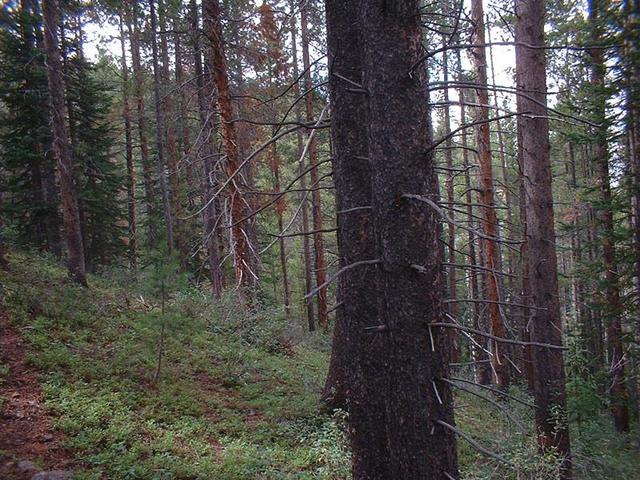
316 206
131 173
280 207
160 128
238 206
183 194
206 150
490 221
505 174
615 350
61 146
451 231
546 324
306 248
397 398
171 136
482 366
138 86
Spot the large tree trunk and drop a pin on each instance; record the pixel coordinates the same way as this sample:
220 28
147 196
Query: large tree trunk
546 324
316 206
131 172
352 178
490 221
61 146
399 406
613 309
306 247
238 205
205 152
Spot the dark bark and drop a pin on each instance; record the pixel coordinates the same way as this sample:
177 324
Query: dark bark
61 146
352 179
393 405
546 324
316 206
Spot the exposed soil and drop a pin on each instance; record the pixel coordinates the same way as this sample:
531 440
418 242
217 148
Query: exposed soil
26 430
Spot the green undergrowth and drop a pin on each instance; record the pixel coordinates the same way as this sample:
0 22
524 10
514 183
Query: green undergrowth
237 394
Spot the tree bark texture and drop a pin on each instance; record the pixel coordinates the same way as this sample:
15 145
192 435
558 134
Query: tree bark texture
546 324
396 395
490 221
61 145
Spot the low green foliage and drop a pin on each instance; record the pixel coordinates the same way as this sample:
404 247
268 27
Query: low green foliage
238 395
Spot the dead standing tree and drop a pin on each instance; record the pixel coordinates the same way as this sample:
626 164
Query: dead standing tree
239 207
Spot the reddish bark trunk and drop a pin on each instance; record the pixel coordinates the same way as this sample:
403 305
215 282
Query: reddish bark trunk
206 151
490 221
238 205
61 146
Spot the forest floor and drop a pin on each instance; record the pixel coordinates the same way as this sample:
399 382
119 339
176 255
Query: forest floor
28 436
237 395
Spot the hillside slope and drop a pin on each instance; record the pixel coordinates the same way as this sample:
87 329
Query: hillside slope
236 395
